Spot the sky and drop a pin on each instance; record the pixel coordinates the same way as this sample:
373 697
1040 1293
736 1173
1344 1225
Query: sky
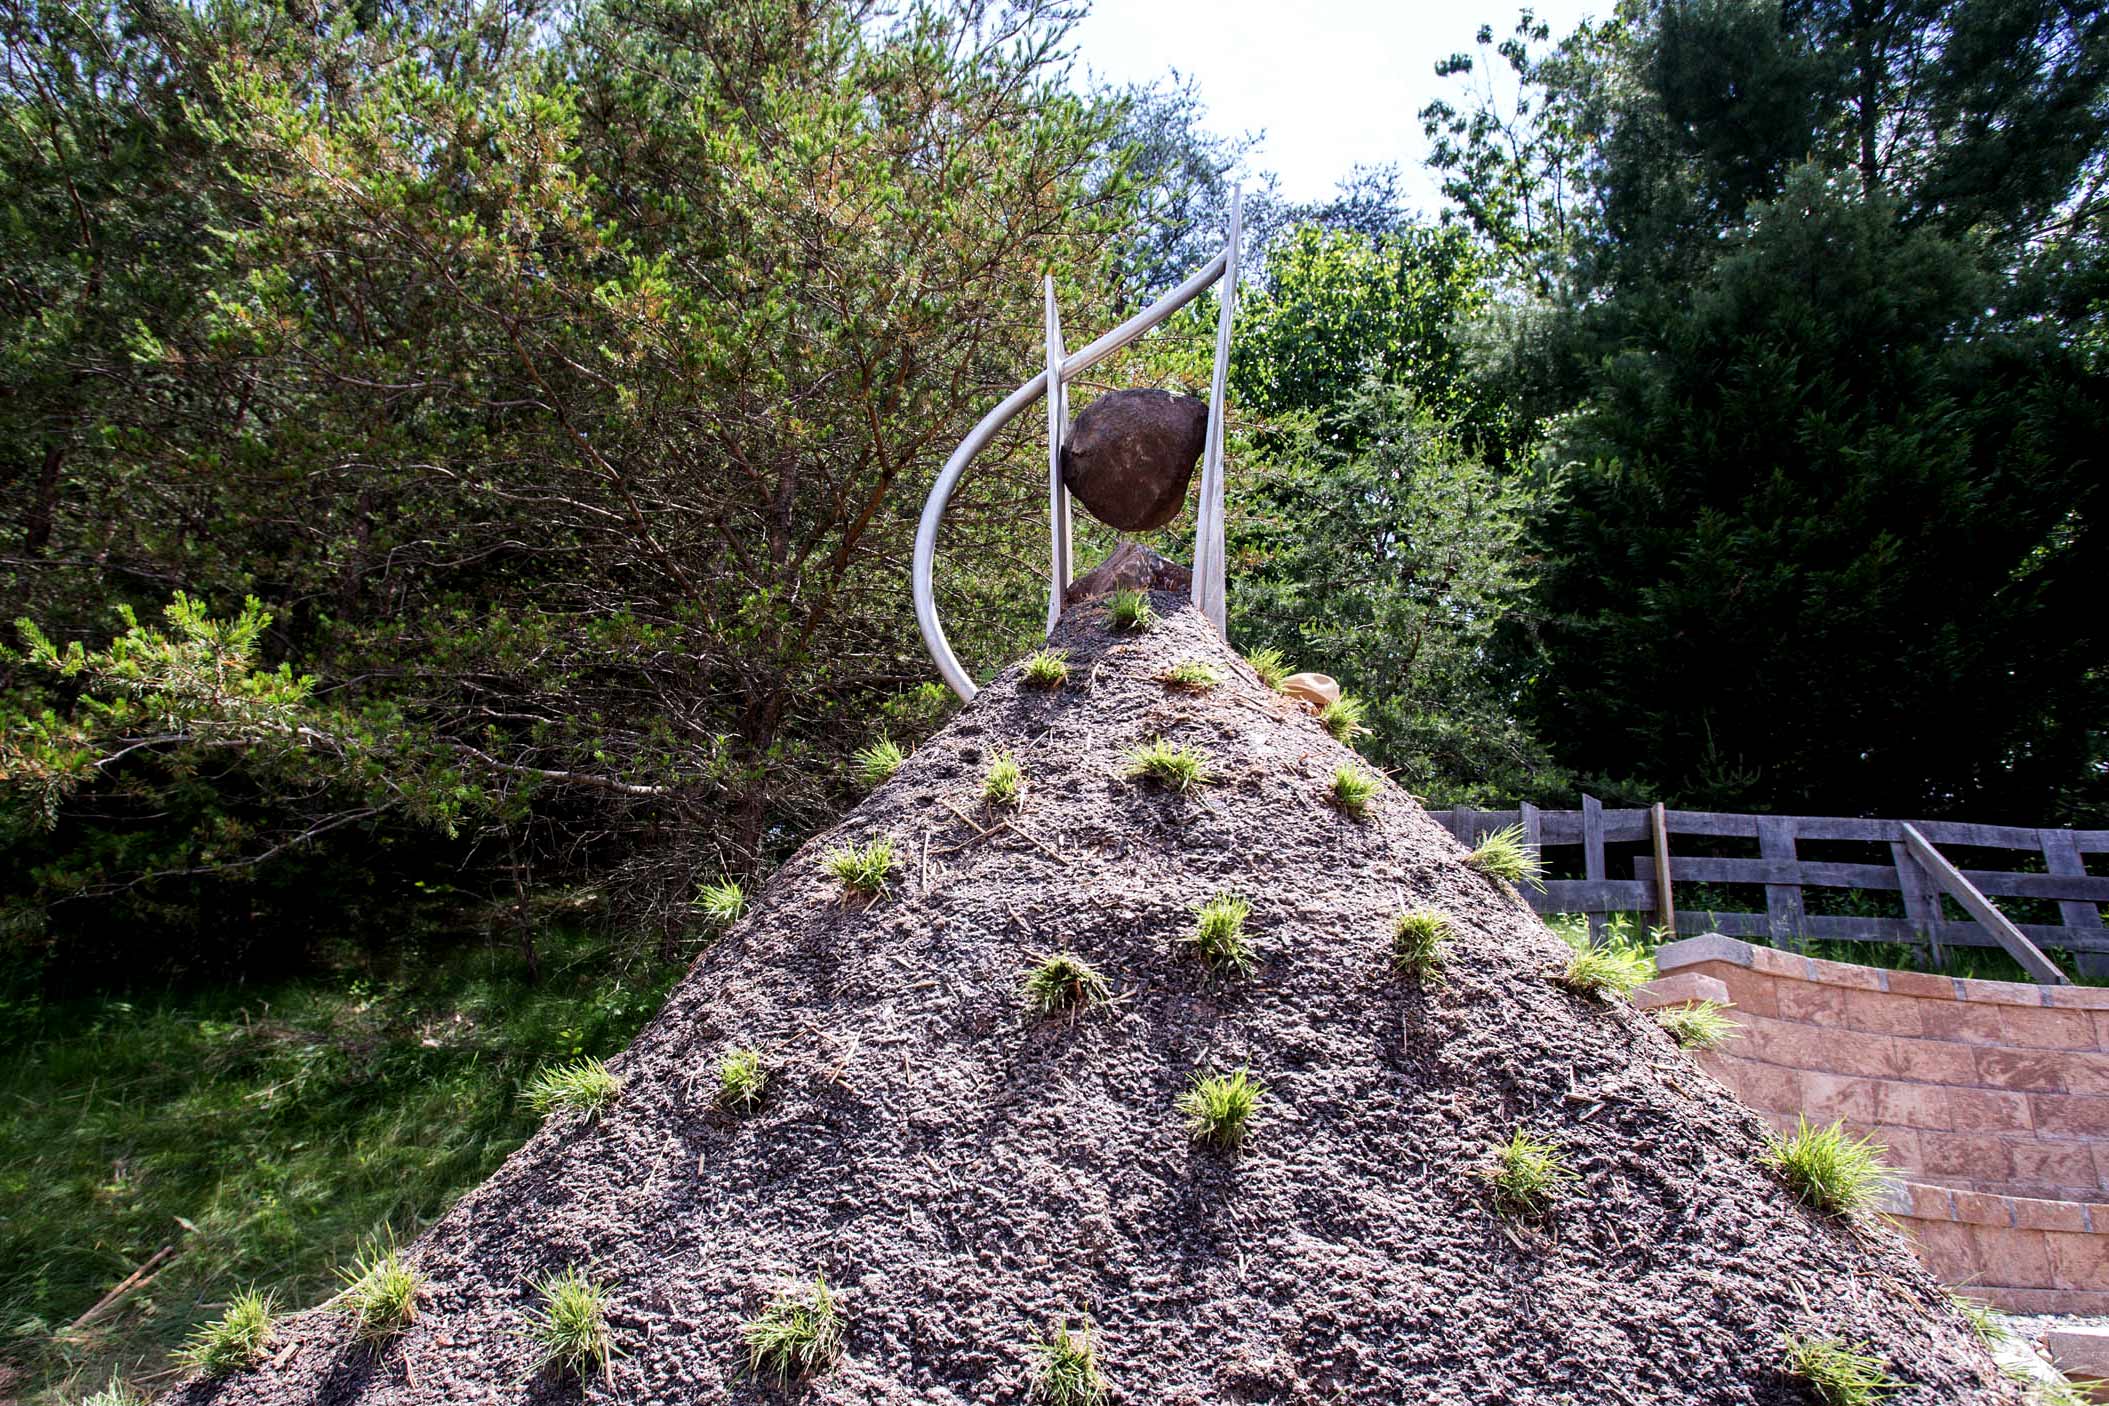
1330 82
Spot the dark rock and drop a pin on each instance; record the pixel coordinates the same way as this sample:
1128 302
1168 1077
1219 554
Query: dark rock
1130 566
1129 455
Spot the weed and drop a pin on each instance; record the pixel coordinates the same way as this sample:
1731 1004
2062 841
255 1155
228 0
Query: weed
1839 1375
1528 1174
1618 968
1005 783
1343 717
1129 611
234 1340
1061 981
1352 789
1048 669
796 1335
1219 933
1067 1372
1270 665
380 1294
722 904
1417 942
1169 765
586 1085
1218 1107
741 1079
1190 674
570 1327
861 870
877 763
1503 854
1698 1025
117 1393
1829 1168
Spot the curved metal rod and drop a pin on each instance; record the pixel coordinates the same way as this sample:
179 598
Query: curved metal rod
923 573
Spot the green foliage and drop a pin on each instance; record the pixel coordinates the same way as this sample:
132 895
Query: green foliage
1271 666
1169 765
722 904
1616 967
117 1393
863 870
1065 1368
582 1086
1061 981
1048 668
877 763
742 1079
1698 1025
1838 1373
1352 790
1005 783
1829 1168
798 1334
1130 612
1504 854
1528 1174
569 1327
1219 1107
380 1296
1343 717
1192 675
1418 940
235 1340
1219 934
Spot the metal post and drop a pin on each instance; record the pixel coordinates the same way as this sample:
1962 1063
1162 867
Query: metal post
1058 522
1209 585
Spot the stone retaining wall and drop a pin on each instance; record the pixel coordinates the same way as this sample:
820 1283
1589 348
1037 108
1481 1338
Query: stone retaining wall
1991 1096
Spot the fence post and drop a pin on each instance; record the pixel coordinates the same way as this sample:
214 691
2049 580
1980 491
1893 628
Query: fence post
2062 856
1785 918
1593 856
1922 903
2013 939
1665 903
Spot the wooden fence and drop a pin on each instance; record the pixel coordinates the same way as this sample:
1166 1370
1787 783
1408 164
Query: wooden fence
1917 871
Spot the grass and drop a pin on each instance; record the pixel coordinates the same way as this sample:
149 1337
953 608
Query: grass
1828 1168
1343 717
877 763
1352 790
1130 612
1218 1108
1617 968
1005 783
798 1334
235 1340
292 1120
1219 934
1169 765
863 870
1528 1175
742 1078
380 1296
1697 1025
114 1394
1985 1323
1838 1374
569 1328
1191 675
1065 1370
1062 981
1417 942
1271 665
1048 669
1503 854
721 904
583 1085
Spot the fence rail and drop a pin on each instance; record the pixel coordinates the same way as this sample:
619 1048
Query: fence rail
1918 878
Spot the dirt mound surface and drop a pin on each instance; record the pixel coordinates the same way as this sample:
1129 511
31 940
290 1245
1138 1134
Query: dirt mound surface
965 1175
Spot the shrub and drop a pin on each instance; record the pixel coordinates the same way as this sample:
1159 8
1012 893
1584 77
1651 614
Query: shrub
1615 969
1130 611
1417 942
1838 1374
1352 789
1190 674
1218 1107
1503 854
1169 765
1048 669
1219 933
722 904
877 763
1066 1373
233 1341
864 870
741 1079
1270 665
1343 717
380 1294
1061 981
586 1085
1528 1174
1005 783
1697 1025
569 1328
796 1335
1829 1168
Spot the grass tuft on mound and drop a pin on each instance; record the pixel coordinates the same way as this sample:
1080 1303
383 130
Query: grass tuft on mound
1005 783
1219 1108
862 871
878 763
569 1326
1828 1168
1698 1025
797 1335
1049 668
1837 1373
1503 854
380 1296
722 904
1191 675
1062 981
1065 1368
584 1086
1528 1174
233 1342
1344 718
1417 942
1352 790
1130 612
1169 765
1219 934
1271 666
742 1079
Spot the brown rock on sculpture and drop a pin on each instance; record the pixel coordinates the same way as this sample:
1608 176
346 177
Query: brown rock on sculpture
1318 690
1129 455
1129 566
